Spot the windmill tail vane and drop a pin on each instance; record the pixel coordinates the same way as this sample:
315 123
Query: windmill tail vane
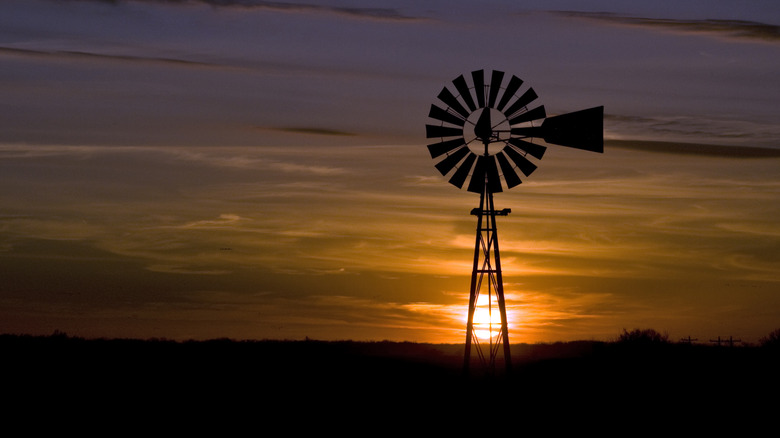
489 132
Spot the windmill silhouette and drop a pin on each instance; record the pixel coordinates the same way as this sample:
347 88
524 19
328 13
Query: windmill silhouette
486 133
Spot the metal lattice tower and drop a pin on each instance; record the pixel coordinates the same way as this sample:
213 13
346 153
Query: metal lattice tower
486 278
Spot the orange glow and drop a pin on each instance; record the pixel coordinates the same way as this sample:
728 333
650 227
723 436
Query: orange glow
487 317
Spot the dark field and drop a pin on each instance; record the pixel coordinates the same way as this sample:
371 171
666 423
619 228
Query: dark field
273 378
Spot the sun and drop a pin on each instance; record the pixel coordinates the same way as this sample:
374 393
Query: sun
487 319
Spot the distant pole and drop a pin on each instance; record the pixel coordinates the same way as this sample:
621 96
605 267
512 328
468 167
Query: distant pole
730 341
688 340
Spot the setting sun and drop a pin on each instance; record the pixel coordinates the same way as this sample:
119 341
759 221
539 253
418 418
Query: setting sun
487 319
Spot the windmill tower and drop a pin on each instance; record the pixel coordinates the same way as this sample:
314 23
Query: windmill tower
486 133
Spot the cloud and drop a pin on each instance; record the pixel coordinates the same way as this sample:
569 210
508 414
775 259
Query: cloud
177 269
692 129
84 55
680 148
224 220
357 12
246 162
735 29
754 267
313 131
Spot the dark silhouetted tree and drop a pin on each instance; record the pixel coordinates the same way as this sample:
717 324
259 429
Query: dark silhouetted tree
643 337
772 340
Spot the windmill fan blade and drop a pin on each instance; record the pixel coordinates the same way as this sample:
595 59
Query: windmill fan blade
477 183
433 131
479 86
534 114
465 94
495 87
447 97
445 116
493 178
581 129
438 149
511 89
535 150
521 102
522 162
445 165
508 170
463 171
467 111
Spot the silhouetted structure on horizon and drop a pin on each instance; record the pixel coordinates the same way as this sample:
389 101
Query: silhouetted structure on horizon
496 147
730 341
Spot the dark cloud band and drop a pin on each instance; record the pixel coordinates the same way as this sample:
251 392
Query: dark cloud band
373 13
695 149
730 28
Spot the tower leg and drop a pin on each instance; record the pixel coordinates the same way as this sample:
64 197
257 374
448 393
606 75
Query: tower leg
500 289
474 290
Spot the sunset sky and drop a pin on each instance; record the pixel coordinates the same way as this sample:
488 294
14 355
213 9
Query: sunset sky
257 170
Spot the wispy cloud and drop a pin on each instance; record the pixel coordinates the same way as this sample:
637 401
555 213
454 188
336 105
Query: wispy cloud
310 130
735 29
284 161
224 220
709 150
85 55
186 270
700 130
356 12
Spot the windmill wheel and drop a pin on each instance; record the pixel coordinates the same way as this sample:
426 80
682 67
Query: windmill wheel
484 127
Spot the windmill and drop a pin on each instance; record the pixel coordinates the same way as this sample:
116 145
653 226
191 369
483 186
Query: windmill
488 133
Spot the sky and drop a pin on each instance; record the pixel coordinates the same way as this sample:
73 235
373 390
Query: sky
258 170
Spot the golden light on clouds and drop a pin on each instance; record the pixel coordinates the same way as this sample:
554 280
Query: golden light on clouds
570 272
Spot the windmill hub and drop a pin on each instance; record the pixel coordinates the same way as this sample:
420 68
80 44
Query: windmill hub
484 128
491 128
